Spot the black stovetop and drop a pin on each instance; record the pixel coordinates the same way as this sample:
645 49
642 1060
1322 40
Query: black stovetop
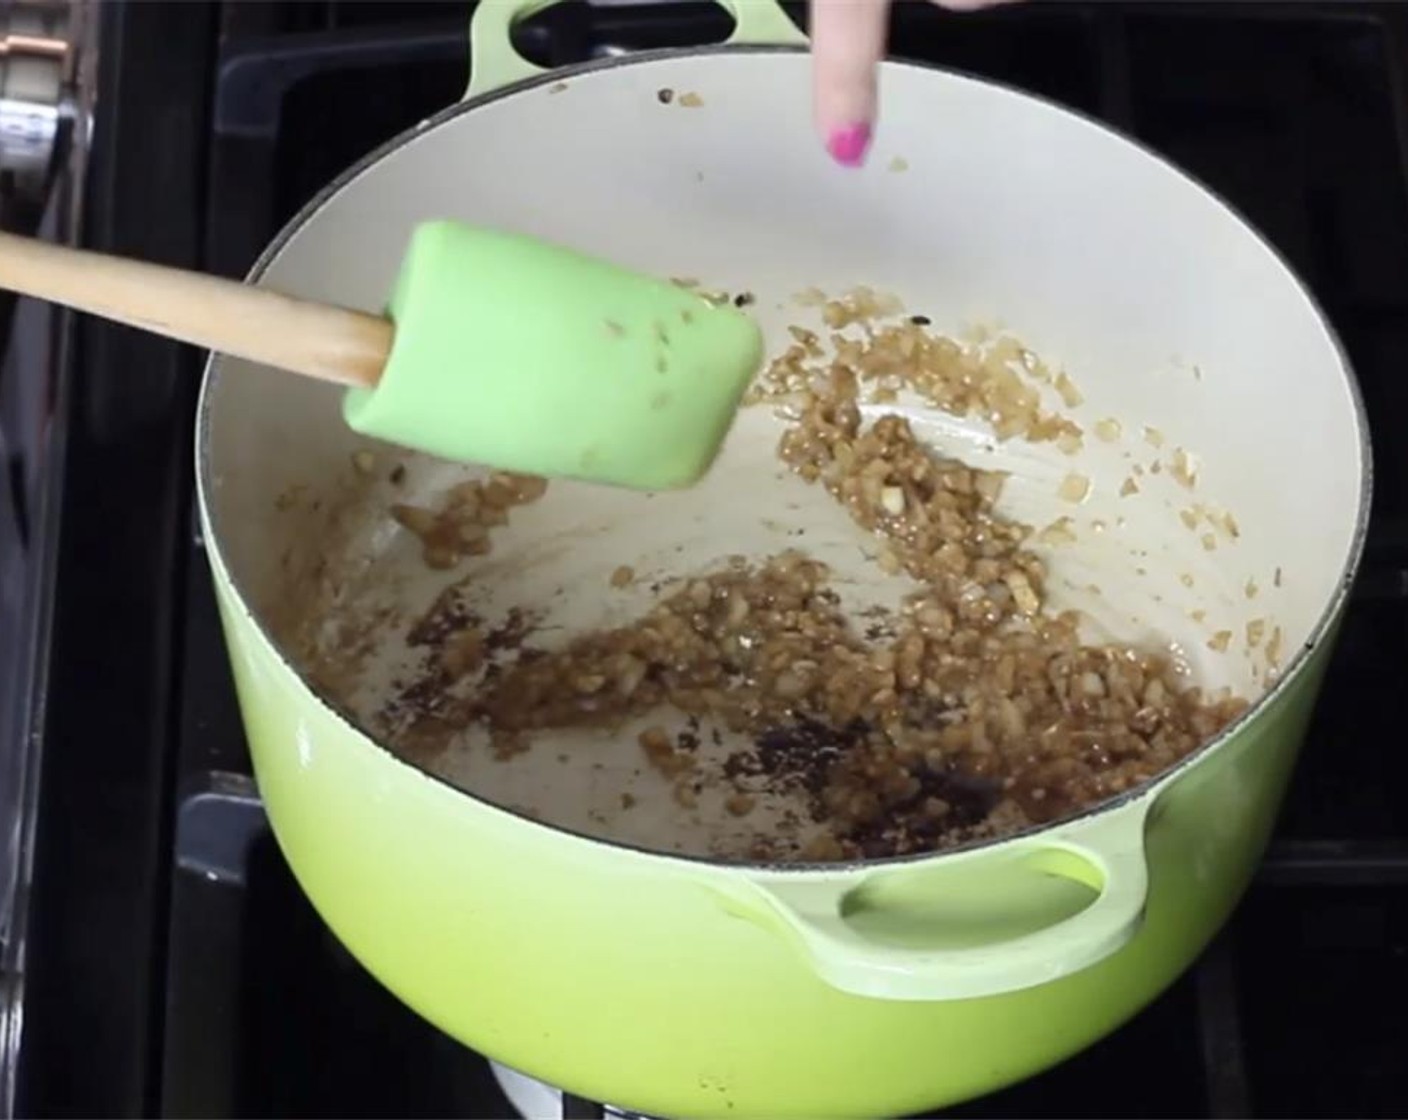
174 966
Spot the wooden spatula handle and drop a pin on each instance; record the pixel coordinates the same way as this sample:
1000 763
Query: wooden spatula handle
318 340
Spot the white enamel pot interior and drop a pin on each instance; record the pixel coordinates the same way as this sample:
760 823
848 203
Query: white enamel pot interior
1192 346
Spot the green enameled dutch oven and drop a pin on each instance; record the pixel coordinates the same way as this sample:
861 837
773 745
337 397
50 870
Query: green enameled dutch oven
587 952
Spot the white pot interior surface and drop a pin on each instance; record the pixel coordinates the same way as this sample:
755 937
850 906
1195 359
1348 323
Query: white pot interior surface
980 208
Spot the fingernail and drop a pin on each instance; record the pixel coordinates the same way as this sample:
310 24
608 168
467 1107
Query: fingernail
848 145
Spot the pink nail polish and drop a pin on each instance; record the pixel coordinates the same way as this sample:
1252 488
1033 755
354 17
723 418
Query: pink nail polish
848 145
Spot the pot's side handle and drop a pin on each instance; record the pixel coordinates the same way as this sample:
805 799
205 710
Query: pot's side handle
1108 857
762 23
493 63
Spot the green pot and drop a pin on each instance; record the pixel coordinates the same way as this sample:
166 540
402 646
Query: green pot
686 987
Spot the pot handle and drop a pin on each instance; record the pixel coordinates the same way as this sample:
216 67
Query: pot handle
1107 857
493 63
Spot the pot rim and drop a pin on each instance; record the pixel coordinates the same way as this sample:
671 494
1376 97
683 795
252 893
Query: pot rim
1294 667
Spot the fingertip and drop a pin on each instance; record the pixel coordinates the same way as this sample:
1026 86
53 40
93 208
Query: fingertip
848 41
848 144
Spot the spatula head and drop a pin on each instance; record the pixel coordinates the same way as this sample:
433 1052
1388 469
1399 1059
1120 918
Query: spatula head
529 357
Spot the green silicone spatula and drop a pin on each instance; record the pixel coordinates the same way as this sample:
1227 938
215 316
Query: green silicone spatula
496 349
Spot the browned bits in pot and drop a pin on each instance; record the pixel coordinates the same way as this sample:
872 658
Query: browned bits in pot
1109 430
1273 648
506 744
622 576
1184 469
970 713
965 381
462 652
1060 531
685 795
665 95
1070 395
1074 488
660 751
471 510
822 849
